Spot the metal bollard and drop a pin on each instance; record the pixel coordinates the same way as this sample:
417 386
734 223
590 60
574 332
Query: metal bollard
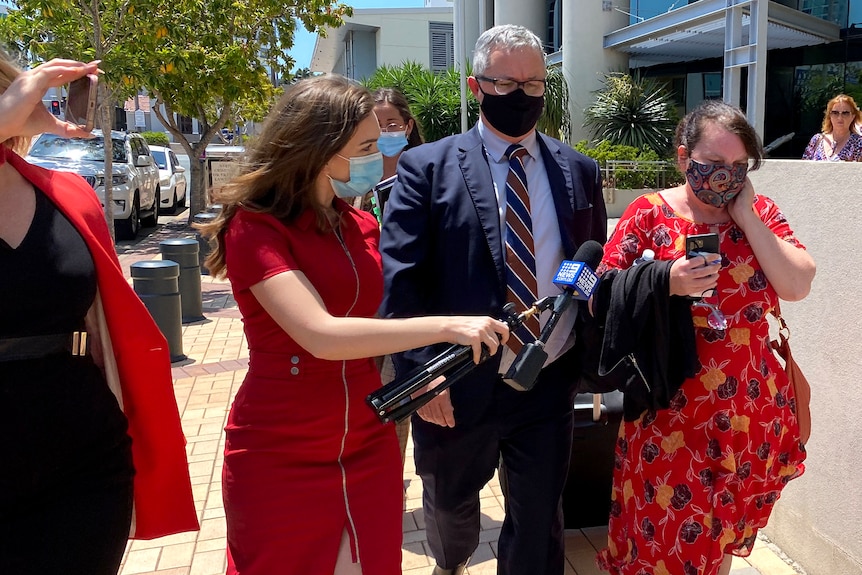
156 283
204 246
184 251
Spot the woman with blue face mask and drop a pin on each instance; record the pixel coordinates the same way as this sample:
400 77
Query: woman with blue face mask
398 132
312 481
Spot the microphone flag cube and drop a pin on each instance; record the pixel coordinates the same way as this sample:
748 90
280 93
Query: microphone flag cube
578 277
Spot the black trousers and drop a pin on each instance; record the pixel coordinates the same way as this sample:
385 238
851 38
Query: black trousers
66 480
532 433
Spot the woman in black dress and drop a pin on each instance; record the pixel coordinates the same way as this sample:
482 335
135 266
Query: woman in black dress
68 486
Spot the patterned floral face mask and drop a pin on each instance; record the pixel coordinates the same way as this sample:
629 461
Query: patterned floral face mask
716 184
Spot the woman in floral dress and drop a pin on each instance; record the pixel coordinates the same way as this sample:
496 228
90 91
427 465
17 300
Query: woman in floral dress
694 483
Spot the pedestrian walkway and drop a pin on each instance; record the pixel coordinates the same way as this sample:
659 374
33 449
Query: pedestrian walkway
205 384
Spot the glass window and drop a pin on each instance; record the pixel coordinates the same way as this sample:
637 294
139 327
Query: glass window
826 9
711 85
159 157
50 146
855 13
645 9
136 150
442 46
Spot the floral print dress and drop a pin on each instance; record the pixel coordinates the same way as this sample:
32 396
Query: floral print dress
850 152
697 480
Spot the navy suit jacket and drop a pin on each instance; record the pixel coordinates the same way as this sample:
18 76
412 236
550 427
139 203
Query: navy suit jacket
442 248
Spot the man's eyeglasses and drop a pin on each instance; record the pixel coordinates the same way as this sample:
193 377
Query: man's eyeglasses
505 86
392 127
715 319
837 113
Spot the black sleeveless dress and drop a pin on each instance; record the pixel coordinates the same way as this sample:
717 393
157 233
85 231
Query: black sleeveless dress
66 472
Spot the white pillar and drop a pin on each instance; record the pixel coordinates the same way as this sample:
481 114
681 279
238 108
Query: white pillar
531 14
458 23
751 55
757 71
585 60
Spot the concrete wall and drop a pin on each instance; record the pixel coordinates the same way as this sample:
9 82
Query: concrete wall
532 14
403 34
364 54
818 521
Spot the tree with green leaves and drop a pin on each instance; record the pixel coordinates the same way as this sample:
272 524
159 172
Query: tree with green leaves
213 61
83 30
633 111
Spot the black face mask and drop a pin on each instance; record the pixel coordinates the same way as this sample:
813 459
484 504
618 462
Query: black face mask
514 114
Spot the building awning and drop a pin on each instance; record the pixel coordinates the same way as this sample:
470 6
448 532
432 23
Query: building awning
328 49
697 31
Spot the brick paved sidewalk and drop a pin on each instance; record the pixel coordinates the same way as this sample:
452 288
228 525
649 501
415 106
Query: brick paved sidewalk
205 384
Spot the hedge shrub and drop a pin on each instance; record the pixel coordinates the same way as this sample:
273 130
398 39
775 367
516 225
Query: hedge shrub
156 138
645 176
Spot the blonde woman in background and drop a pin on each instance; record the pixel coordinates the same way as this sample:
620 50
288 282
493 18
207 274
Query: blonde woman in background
840 140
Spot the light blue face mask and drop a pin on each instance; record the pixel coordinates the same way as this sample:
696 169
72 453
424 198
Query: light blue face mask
365 173
391 143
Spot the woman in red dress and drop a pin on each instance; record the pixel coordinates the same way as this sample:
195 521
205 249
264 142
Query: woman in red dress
694 483
312 480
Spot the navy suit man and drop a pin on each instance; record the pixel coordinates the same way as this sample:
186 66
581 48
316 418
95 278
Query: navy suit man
444 247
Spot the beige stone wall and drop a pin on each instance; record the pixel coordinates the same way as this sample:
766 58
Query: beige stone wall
818 521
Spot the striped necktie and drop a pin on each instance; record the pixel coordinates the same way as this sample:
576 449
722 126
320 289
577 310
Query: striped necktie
521 283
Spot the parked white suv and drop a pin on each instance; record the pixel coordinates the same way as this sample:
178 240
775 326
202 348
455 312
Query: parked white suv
135 179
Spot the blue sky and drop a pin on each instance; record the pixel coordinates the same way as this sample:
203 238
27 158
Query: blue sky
303 42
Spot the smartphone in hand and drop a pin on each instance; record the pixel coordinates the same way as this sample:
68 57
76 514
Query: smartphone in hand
81 101
698 244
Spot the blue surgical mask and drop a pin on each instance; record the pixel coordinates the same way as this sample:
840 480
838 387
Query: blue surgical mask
391 143
365 173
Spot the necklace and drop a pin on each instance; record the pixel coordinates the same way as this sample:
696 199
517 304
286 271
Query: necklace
835 145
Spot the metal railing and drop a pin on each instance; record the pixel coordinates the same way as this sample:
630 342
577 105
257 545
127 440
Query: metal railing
636 174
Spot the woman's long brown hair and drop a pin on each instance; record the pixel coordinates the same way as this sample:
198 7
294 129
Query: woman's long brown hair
314 119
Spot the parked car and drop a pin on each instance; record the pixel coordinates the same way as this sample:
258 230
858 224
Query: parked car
172 179
135 175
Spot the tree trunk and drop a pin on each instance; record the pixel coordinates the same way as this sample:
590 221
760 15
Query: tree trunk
106 122
199 198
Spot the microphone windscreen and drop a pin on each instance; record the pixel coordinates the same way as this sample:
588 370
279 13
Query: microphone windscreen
590 252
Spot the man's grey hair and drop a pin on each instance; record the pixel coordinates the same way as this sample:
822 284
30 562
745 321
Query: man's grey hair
506 37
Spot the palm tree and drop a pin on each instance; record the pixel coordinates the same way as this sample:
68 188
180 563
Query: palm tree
633 111
555 120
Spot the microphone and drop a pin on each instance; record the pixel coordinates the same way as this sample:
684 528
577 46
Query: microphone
578 280
394 401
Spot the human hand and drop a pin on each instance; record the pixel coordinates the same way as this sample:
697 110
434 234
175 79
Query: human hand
476 331
439 410
21 110
741 207
696 275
